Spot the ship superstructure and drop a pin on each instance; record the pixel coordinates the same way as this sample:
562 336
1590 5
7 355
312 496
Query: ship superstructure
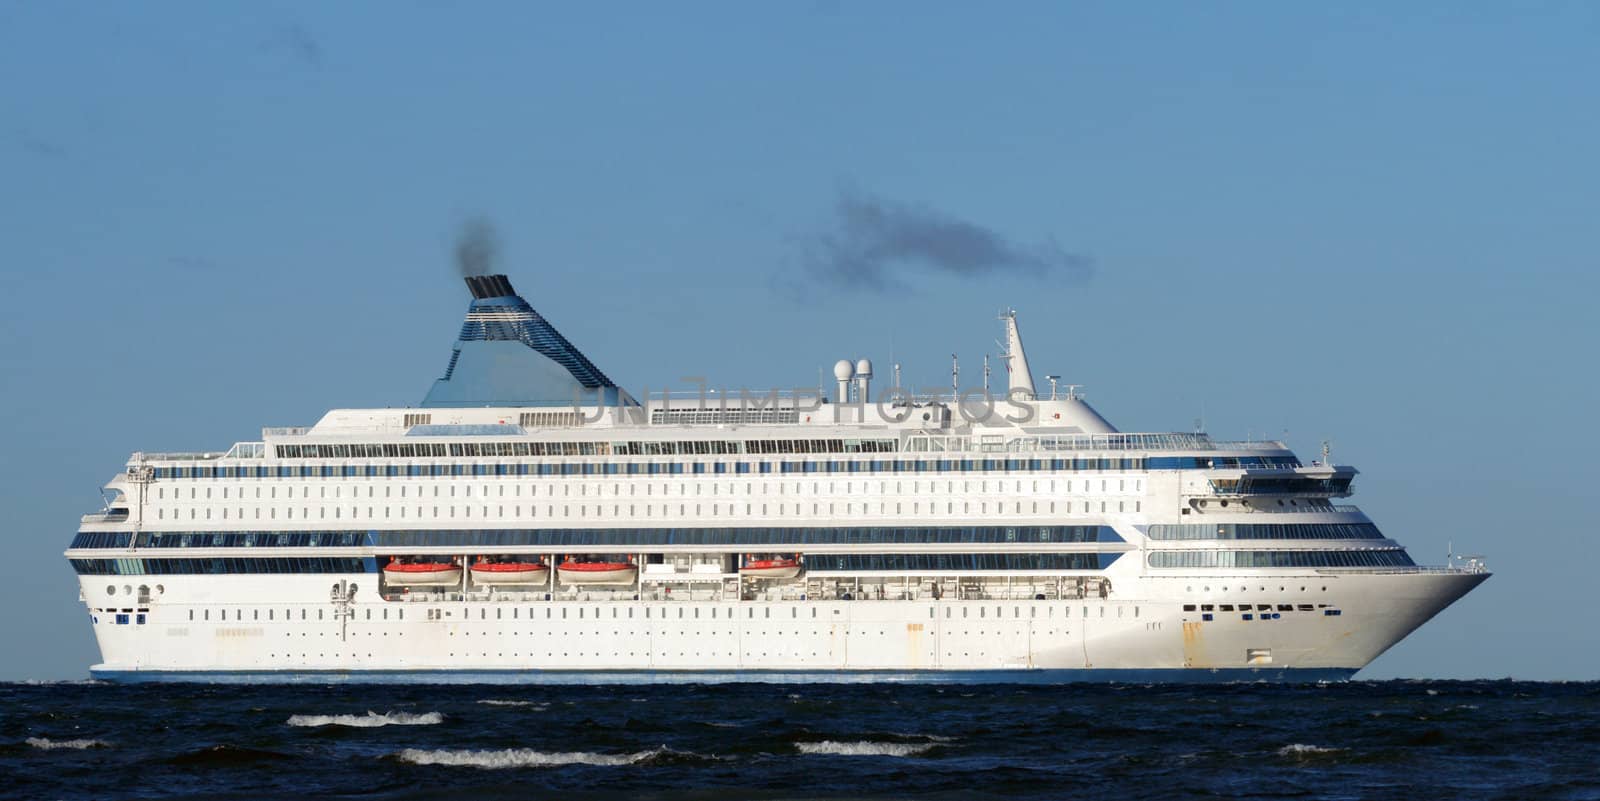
532 521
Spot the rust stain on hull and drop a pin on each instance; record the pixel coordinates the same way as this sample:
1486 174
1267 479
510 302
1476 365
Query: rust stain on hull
1193 653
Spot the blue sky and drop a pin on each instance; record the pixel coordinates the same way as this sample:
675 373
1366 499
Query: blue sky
1373 224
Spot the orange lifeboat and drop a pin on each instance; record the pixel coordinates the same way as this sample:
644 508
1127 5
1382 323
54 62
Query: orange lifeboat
774 568
490 573
573 571
421 574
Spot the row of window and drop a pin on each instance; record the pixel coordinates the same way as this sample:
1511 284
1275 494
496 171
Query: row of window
1214 462
102 539
649 468
616 510
1282 486
601 536
163 567
1266 531
1375 558
825 563
634 448
814 562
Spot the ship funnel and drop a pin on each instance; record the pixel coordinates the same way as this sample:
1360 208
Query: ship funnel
483 287
507 354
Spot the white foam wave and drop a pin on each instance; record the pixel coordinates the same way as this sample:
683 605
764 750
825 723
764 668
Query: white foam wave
1301 749
503 702
369 720
521 758
47 744
863 748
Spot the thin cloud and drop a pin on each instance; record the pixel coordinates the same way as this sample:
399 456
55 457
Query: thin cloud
297 40
877 245
40 146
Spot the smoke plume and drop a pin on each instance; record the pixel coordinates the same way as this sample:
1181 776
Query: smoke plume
477 247
877 244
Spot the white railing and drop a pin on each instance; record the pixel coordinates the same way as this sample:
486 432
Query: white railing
959 443
284 431
151 456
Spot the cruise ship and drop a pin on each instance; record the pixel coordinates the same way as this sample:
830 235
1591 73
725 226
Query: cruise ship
533 521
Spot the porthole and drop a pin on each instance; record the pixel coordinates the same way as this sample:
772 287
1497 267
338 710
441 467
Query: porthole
110 590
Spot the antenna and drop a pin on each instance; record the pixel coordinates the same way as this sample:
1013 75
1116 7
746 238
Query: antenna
1052 379
1326 448
896 375
986 373
955 377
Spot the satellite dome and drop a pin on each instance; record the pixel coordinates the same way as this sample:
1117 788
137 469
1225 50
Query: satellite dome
864 368
843 370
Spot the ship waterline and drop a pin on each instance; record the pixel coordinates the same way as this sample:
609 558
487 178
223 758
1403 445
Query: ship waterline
498 533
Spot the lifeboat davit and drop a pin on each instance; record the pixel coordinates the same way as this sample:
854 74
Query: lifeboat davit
422 574
770 568
575 572
494 573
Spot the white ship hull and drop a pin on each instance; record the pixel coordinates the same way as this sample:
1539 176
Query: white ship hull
565 640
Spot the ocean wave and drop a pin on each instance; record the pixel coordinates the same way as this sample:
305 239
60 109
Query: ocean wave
538 705
369 720
863 748
522 758
226 756
1301 749
47 744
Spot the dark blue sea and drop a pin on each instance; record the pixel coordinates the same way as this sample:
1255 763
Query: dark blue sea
1359 740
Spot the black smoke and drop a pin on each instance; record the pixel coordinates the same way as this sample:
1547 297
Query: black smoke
477 248
876 244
